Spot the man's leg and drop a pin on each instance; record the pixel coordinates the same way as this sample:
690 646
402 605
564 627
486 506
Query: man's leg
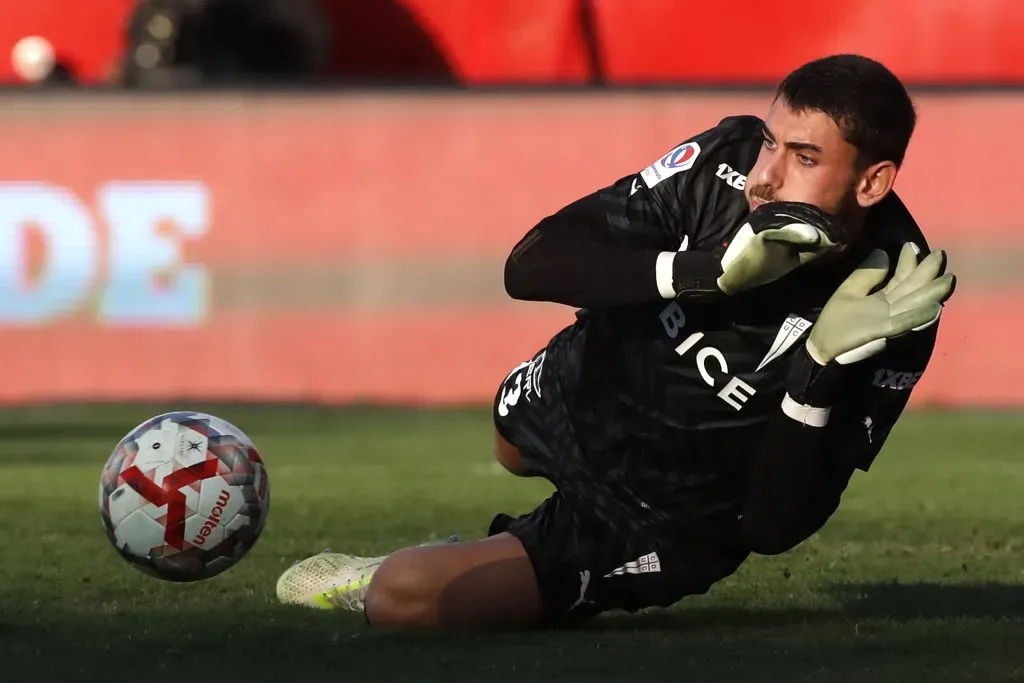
485 583
530 570
553 566
498 581
488 583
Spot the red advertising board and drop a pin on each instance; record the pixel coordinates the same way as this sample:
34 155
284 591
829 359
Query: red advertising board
351 248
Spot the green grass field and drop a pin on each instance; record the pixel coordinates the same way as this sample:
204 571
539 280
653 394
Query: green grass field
919 577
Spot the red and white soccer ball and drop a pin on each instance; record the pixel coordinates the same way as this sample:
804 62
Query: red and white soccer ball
184 496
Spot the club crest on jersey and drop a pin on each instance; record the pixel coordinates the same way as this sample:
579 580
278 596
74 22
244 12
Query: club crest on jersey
681 158
792 329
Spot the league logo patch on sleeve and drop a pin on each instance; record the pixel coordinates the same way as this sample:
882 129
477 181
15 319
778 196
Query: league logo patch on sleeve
679 159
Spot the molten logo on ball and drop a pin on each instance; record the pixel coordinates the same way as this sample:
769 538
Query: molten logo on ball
214 518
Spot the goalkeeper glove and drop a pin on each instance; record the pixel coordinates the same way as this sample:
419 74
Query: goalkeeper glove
777 238
855 324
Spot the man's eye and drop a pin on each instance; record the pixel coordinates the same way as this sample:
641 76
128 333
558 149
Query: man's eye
769 144
805 160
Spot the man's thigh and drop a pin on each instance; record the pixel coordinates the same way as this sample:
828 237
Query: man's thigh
586 565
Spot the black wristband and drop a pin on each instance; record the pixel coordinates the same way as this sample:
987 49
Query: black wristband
695 275
812 384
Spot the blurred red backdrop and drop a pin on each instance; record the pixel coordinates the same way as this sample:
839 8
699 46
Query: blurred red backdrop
618 41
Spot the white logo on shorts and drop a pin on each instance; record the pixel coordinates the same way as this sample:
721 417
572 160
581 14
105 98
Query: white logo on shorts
584 584
644 564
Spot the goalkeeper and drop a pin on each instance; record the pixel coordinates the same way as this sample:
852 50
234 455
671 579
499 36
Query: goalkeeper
756 307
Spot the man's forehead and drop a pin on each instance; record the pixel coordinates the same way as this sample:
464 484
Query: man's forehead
806 125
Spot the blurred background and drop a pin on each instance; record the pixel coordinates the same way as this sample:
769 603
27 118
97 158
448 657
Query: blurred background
311 200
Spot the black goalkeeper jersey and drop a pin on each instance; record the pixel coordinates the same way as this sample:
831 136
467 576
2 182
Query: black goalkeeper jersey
671 387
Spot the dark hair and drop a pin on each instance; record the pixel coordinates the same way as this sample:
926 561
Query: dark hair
867 101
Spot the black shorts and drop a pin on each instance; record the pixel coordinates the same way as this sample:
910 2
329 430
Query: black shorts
593 547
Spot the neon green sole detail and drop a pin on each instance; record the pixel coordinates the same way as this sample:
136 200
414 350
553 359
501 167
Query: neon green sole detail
328 599
323 601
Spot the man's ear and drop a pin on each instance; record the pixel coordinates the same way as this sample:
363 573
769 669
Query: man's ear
875 183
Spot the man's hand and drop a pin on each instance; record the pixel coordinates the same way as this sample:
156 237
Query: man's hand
777 238
855 324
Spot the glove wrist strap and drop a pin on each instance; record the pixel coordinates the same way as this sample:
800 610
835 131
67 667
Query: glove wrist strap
694 274
812 384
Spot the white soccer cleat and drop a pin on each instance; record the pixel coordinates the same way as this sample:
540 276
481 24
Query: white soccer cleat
328 581
332 580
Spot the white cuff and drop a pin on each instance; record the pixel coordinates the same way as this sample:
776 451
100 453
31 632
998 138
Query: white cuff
807 415
663 274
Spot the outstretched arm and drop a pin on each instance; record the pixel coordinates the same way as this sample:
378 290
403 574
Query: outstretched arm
846 391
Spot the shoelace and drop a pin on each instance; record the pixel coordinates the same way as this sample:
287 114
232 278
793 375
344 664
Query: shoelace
351 595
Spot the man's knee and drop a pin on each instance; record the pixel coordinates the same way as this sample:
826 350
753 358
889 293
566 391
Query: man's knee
478 584
508 455
399 590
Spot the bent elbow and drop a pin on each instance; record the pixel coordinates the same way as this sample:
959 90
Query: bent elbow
526 265
517 284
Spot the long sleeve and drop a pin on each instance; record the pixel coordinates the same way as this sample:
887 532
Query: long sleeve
641 239
832 421
574 260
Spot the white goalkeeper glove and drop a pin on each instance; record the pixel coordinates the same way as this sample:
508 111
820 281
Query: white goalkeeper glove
777 238
856 324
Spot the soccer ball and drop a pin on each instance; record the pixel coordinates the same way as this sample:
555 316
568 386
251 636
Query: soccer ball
184 496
